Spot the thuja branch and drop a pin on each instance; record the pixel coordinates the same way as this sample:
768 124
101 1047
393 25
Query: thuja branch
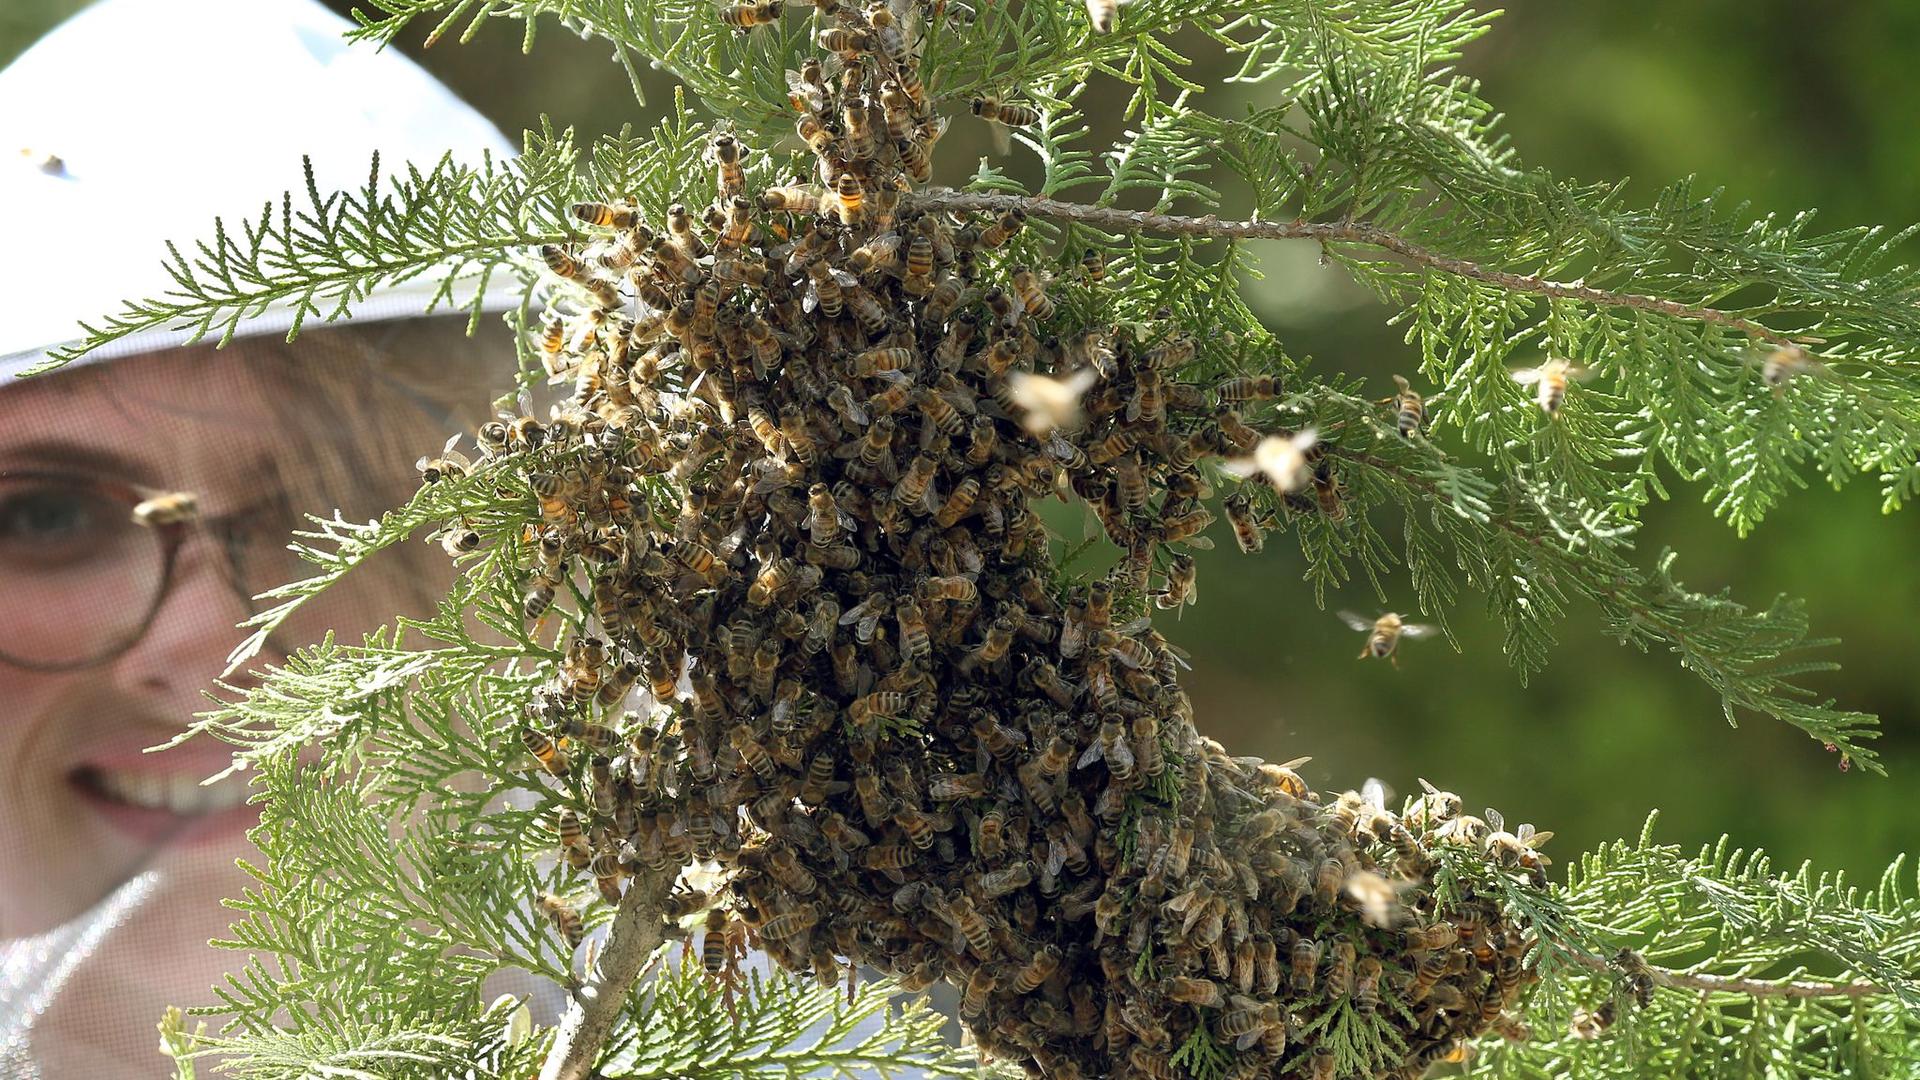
1733 984
1209 226
596 1005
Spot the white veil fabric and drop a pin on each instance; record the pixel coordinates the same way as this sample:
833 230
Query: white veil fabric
133 124
138 122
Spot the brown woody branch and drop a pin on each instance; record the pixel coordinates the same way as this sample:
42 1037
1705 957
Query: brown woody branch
636 933
1209 226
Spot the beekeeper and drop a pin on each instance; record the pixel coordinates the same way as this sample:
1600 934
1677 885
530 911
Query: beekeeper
135 123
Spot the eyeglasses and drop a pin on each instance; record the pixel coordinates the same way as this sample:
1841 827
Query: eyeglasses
86 563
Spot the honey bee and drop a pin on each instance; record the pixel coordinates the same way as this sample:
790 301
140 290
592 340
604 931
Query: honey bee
1248 388
459 539
1047 403
564 916
727 152
606 215
1590 1024
997 234
1013 115
1518 848
1784 364
1305 960
167 508
607 873
548 754
944 298
1247 529
1321 1064
973 997
1031 289
789 925
450 465
1282 459
1637 975
1340 964
1180 586
539 596
1410 410
1549 381
849 199
881 704
1384 633
744 17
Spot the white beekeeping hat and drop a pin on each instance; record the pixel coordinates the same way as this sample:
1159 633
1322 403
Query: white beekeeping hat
139 121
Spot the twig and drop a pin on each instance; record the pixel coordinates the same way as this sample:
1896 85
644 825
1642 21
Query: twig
1328 233
1733 984
636 934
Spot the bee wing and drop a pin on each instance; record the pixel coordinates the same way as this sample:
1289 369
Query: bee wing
1375 792
1428 787
1002 138
854 614
1494 819
1137 625
1356 621
1418 630
1240 467
1295 763
1092 755
845 279
420 463
1305 439
1534 838
1527 376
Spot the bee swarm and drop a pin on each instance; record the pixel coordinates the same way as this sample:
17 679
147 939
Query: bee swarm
908 747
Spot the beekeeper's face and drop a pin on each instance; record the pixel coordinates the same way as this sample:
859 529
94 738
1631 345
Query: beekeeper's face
111 631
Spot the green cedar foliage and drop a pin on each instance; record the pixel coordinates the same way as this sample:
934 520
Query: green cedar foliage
364 948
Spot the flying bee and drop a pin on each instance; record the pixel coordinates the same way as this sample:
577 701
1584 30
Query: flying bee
1011 114
1549 381
1282 459
1785 363
1102 14
744 17
1047 403
1384 633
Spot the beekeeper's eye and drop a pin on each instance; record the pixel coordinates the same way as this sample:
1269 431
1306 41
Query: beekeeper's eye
49 525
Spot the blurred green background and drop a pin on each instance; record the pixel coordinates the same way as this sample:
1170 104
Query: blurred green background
1787 105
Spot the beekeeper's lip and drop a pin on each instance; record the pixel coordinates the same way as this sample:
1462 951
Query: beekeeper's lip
165 808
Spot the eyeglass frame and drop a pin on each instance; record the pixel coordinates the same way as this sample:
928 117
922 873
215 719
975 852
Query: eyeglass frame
173 537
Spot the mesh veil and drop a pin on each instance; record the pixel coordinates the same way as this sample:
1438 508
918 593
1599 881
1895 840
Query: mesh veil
116 862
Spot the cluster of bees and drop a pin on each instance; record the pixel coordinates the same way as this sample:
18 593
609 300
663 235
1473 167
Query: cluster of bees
795 487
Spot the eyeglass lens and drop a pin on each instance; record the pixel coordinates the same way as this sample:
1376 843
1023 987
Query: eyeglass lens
78 577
